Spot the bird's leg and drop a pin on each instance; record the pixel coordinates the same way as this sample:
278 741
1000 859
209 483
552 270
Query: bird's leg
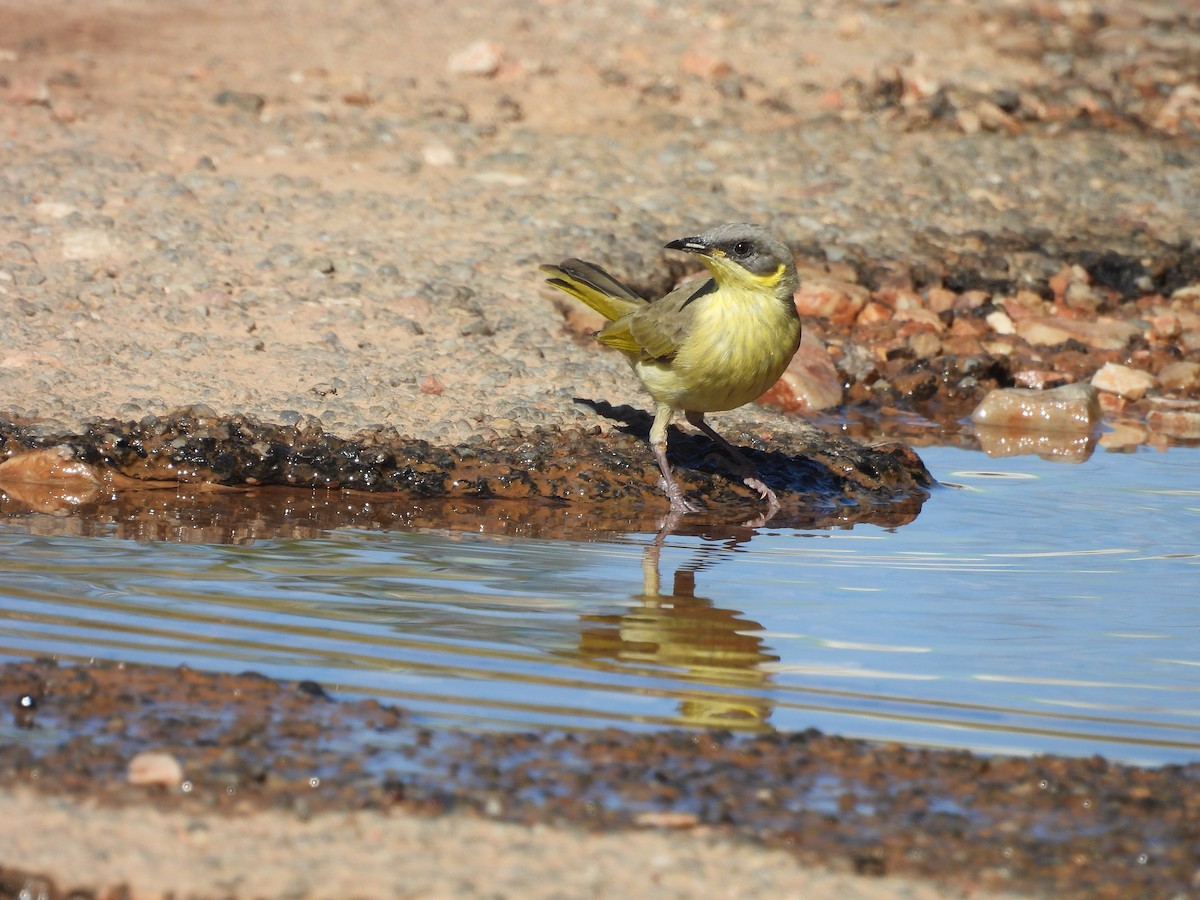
658 443
742 466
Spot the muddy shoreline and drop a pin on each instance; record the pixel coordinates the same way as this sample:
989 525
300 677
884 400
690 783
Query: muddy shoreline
249 746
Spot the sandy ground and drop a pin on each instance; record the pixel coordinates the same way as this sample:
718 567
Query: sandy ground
366 854
335 208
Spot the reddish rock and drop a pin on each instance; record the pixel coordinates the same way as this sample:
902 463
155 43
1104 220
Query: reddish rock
921 341
1102 334
966 327
1124 381
150 767
1023 305
1112 405
1083 297
838 302
482 58
940 300
1164 326
899 298
704 64
1180 377
1038 379
872 314
811 381
969 300
962 345
1070 408
52 465
921 316
1059 281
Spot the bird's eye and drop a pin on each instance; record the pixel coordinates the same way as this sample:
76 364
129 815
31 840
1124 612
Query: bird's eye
742 248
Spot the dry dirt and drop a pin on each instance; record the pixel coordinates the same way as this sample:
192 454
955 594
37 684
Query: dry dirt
321 208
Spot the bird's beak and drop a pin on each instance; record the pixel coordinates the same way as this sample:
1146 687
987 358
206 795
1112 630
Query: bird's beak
693 245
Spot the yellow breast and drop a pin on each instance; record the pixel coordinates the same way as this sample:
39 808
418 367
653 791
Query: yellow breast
739 343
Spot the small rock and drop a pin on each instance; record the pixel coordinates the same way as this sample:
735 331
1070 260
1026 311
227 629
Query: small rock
26 90
439 155
1181 111
1180 377
811 381
1060 281
1049 331
1070 408
152 767
482 59
243 100
940 300
1131 384
87 244
923 343
50 465
1164 326
925 317
1001 323
430 385
666 819
1083 297
839 302
873 314
1038 379
704 64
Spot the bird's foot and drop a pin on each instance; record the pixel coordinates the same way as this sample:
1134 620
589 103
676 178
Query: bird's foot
679 505
755 484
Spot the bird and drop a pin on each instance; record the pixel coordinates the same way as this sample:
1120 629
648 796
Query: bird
705 348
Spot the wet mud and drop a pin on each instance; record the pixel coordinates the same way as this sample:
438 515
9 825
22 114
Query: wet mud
1048 826
821 480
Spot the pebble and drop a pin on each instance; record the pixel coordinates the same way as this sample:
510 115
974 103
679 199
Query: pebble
1180 377
482 58
838 302
1070 408
152 767
1050 331
440 155
1126 382
88 244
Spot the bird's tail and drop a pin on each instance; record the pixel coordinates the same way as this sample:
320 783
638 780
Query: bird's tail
594 286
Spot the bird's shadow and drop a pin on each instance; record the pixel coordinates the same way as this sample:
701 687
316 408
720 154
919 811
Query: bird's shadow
695 452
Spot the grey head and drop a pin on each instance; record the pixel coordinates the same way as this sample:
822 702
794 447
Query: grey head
752 247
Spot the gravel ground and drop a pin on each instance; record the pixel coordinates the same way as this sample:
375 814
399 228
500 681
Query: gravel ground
335 209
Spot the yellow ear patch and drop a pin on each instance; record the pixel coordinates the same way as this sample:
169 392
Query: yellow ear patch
768 281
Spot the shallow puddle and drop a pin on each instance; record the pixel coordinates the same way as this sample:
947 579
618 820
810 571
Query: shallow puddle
1031 606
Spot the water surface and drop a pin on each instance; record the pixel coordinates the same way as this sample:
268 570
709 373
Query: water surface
1031 606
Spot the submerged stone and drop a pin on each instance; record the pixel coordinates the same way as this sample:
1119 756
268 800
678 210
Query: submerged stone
1070 408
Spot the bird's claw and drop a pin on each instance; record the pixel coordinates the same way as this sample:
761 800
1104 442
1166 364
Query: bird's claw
679 505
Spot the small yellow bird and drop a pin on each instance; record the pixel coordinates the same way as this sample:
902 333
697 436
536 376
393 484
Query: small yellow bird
702 348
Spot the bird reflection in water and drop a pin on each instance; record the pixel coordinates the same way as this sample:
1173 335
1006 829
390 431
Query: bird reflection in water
678 630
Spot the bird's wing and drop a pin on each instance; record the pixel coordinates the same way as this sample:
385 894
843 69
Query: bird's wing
656 330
